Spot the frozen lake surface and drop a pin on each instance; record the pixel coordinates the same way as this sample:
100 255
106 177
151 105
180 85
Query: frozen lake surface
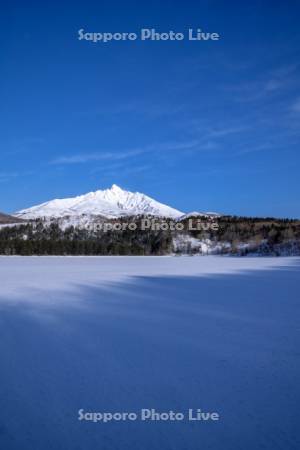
171 333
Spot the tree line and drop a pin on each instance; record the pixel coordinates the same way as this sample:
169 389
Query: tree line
242 235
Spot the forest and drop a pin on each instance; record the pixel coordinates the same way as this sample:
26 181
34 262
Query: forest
233 235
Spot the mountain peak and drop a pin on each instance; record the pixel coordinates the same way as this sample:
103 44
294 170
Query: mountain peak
116 188
111 203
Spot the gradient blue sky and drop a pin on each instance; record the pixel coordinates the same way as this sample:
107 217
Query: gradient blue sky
197 125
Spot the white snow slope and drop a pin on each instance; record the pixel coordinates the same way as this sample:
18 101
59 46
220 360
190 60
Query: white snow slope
113 202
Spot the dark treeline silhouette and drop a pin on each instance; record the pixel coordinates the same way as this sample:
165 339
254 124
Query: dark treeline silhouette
236 235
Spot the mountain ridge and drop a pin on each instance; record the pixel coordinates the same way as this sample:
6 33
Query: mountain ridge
111 203
8 219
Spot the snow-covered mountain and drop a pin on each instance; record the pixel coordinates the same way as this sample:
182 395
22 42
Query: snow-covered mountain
199 214
110 203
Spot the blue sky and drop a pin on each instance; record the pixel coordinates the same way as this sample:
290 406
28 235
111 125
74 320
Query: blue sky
198 125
